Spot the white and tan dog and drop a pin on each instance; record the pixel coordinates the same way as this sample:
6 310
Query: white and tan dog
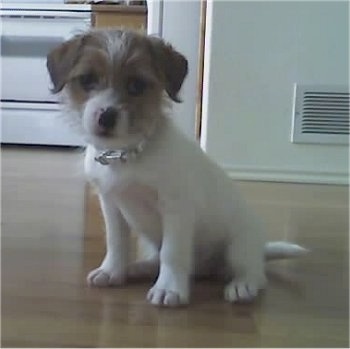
150 178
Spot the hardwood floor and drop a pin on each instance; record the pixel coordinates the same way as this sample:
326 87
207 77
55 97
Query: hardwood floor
51 237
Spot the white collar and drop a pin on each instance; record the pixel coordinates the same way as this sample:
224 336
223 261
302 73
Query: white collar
123 155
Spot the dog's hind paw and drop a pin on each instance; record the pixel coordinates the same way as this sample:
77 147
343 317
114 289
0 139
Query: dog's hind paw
167 298
143 269
241 291
103 278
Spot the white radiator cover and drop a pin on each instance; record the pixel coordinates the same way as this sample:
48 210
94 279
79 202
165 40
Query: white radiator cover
321 114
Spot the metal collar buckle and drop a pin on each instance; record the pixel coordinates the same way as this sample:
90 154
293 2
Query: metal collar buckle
123 155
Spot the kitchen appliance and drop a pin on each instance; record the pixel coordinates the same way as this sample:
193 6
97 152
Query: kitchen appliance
30 114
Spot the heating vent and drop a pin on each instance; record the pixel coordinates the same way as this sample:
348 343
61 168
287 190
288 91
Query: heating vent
321 114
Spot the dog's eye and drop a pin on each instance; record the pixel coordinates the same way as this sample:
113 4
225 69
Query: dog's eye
136 86
88 81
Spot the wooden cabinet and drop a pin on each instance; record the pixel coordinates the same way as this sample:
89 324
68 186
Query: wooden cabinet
133 17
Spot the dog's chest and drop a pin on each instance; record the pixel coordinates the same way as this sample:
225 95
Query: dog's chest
122 179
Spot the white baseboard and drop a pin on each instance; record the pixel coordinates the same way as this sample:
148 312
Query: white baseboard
278 175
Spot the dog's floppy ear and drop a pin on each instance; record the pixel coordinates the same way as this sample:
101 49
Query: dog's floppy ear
61 60
172 64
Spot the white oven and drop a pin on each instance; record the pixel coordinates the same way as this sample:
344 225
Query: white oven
29 112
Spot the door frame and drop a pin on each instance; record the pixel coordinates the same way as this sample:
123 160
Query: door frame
179 22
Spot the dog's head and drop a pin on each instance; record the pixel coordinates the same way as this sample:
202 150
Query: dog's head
115 80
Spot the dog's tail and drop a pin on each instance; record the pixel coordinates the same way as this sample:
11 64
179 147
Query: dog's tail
283 250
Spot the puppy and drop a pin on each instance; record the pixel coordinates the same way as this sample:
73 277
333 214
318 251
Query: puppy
116 86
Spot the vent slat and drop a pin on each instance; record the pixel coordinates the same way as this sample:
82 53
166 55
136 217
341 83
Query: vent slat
326 97
326 103
315 124
325 130
323 102
330 102
314 111
326 116
345 126
331 128
327 133
334 109
326 110
326 121
328 93
311 124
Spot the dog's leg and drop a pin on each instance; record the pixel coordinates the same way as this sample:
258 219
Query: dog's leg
246 261
112 271
172 285
144 220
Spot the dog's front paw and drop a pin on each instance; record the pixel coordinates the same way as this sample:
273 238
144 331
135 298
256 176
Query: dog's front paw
241 291
102 277
171 288
164 297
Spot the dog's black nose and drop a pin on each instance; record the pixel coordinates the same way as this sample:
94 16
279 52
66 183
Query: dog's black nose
108 118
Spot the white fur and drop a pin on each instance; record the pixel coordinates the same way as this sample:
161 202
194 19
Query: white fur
190 214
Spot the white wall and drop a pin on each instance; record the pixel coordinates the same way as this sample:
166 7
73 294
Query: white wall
255 52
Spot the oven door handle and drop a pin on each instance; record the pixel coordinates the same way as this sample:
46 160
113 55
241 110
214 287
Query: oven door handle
42 14
32 46
26 39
